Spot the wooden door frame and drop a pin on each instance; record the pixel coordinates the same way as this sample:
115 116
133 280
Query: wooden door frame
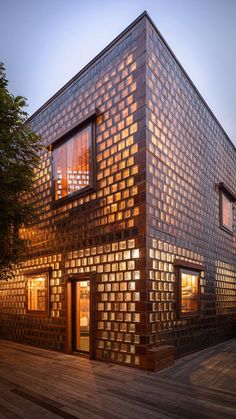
68 298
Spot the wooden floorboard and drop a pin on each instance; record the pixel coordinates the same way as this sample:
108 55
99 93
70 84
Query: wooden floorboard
37 383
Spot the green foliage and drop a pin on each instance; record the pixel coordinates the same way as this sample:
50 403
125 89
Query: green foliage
19 157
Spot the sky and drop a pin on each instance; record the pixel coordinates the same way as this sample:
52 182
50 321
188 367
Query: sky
44 43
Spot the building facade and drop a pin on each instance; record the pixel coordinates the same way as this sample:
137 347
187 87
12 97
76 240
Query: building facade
136 245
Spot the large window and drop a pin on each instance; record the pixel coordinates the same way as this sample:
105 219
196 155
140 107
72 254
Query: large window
188 292
72 171
37 293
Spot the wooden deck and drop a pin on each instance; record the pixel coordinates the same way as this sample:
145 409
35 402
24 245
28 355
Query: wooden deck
36 383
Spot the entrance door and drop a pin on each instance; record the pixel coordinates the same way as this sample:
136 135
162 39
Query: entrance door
81 316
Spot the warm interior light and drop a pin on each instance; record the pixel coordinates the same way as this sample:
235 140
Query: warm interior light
37 293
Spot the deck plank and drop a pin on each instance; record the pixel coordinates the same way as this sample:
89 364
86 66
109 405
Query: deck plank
37 383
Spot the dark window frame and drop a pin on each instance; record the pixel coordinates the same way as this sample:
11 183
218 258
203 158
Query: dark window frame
192 268
89 121
35 273
225 191
195 313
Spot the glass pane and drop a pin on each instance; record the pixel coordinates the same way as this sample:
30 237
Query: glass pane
71 169
227 212
189 292
59 173
78 161
37 293
82 315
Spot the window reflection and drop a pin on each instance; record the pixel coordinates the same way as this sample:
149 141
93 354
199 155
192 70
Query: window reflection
189 292
227 212
83 315
37 292
71 167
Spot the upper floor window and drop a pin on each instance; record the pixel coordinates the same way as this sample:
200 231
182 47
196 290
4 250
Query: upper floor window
226 207
72 168
227 212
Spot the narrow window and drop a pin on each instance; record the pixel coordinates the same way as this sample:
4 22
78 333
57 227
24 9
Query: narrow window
37 293
189 292
226 212
72 168
227 198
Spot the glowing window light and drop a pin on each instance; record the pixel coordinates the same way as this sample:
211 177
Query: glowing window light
37 289
189 292
72 164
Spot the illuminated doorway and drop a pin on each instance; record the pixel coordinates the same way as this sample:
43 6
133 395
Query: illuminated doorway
81 316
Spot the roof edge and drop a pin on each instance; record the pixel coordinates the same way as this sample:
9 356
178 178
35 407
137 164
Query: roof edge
110 45
90 63
188 78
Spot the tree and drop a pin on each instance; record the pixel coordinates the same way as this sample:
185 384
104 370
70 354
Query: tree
19 157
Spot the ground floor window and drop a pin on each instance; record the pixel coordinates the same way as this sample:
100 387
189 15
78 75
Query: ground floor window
37 293
188 292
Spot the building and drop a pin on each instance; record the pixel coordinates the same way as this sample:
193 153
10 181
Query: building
136 248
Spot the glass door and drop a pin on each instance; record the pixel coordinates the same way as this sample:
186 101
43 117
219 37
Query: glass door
81 316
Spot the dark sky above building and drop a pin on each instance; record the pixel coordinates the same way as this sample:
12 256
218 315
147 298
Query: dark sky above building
43 43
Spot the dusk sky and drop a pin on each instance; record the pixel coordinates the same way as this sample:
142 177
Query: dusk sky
44 43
